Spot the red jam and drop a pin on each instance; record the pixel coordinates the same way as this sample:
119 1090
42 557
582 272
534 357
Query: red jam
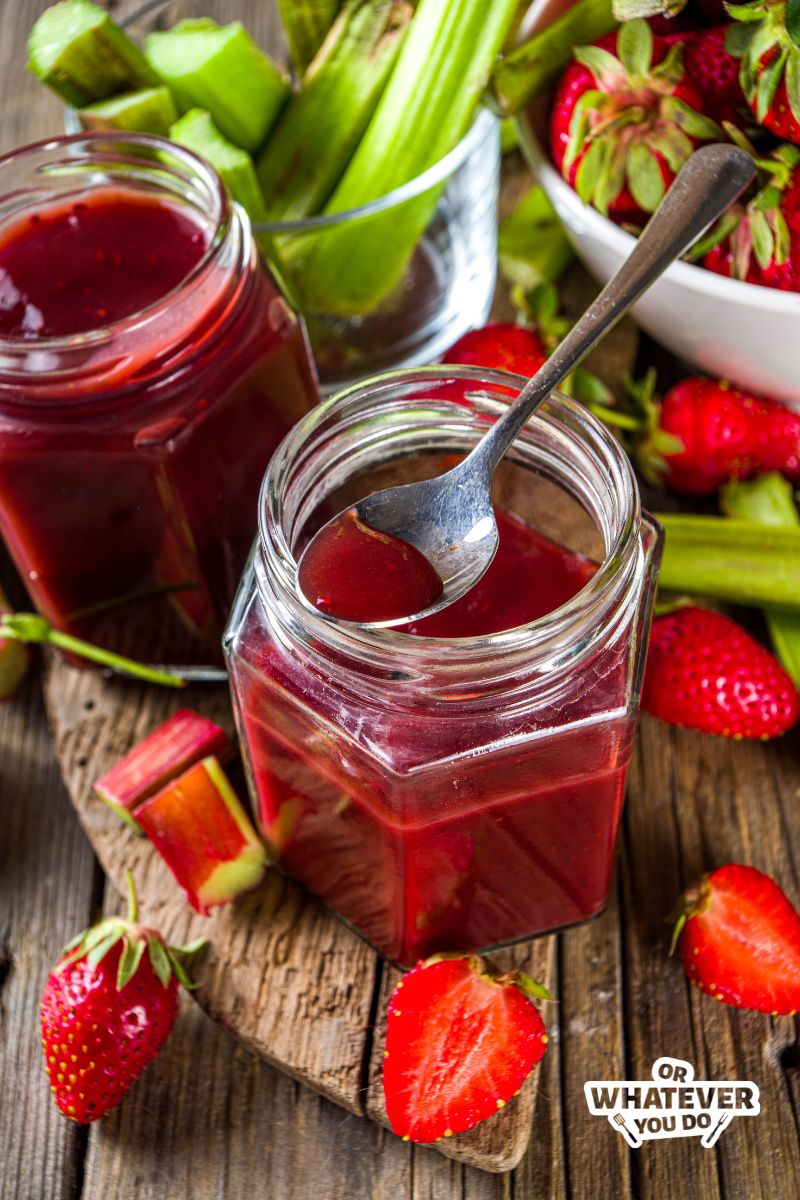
391 817
131 460
80 266
358 573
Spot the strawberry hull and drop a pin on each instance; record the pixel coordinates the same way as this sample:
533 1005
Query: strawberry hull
202 832
184 739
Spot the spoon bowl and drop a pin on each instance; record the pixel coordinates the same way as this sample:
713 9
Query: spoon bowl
450 518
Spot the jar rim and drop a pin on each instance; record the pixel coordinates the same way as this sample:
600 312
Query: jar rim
541 637
194 168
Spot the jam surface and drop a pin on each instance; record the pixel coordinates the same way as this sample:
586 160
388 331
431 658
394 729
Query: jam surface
358 573
387 811
70 268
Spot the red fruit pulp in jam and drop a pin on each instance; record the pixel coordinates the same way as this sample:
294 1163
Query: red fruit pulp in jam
358 573
128 488
389 815
77 267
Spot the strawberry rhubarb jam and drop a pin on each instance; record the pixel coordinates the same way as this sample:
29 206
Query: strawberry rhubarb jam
148 369
457 782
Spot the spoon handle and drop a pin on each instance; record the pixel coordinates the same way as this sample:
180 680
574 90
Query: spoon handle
709 182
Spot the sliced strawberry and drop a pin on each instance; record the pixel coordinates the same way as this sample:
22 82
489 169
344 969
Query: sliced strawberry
460 1041
740 940
705 671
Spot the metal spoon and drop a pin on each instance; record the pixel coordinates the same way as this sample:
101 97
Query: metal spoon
450 518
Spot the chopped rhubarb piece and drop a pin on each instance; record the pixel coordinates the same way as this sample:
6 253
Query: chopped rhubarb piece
184 739
14 658
200 829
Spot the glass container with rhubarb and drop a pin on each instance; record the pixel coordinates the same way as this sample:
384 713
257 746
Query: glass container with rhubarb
149 366
454 783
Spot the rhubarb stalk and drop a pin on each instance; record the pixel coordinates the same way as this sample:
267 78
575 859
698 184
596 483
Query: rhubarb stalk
529 69
769 500
306 24
36 630
426 109
322 124
734 560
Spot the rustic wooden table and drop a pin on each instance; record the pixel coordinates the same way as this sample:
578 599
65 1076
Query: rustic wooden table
211 1120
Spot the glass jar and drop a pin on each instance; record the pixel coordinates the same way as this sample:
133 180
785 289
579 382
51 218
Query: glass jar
131 453
446 793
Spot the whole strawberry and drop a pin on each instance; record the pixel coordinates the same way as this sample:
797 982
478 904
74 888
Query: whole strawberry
460 1041
706 672
502 347
108 1007
715 74
739 940
705 432
623 124
768 44
759 242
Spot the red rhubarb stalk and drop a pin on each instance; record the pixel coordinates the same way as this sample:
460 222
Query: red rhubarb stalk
202 832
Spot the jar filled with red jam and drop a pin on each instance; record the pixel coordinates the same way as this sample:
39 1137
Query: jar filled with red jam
454 783
149 366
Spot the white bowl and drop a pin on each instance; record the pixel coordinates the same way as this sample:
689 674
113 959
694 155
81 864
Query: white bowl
748 334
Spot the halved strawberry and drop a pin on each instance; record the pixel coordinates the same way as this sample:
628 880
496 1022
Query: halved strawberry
740 940
461 1039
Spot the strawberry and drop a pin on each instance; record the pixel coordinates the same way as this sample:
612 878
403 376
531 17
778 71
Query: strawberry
705 432
768 44
108 1007
739 940
715 74
759 241
502 347
461 1039
705 671
623 124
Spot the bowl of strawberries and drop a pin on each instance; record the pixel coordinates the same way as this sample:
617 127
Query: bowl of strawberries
613 132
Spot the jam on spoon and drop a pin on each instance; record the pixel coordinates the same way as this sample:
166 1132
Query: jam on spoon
357 573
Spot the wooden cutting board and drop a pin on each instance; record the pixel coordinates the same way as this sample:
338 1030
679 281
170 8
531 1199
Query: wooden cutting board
282 974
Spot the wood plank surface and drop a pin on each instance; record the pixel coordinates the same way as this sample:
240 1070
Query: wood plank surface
212 1120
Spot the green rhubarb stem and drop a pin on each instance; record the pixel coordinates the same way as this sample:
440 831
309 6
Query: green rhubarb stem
768 500
306 24
731 560
427 107
318 131
30 627
528 70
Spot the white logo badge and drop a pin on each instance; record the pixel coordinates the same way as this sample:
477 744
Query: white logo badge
671 1104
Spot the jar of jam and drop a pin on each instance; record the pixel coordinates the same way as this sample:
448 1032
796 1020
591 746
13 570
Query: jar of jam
455 783
149 366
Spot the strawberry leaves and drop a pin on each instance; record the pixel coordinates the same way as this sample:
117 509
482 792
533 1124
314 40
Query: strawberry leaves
767 40
632 127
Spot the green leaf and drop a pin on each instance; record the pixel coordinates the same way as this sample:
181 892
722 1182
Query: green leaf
612 180
159 960
745 12
602 63
532 244
590 389
590 170
532 987
791 20
129 962
693 123
793 84
98 952
645 180
635 47
767 86
763 242
780 232
738 38
673 144
76 941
